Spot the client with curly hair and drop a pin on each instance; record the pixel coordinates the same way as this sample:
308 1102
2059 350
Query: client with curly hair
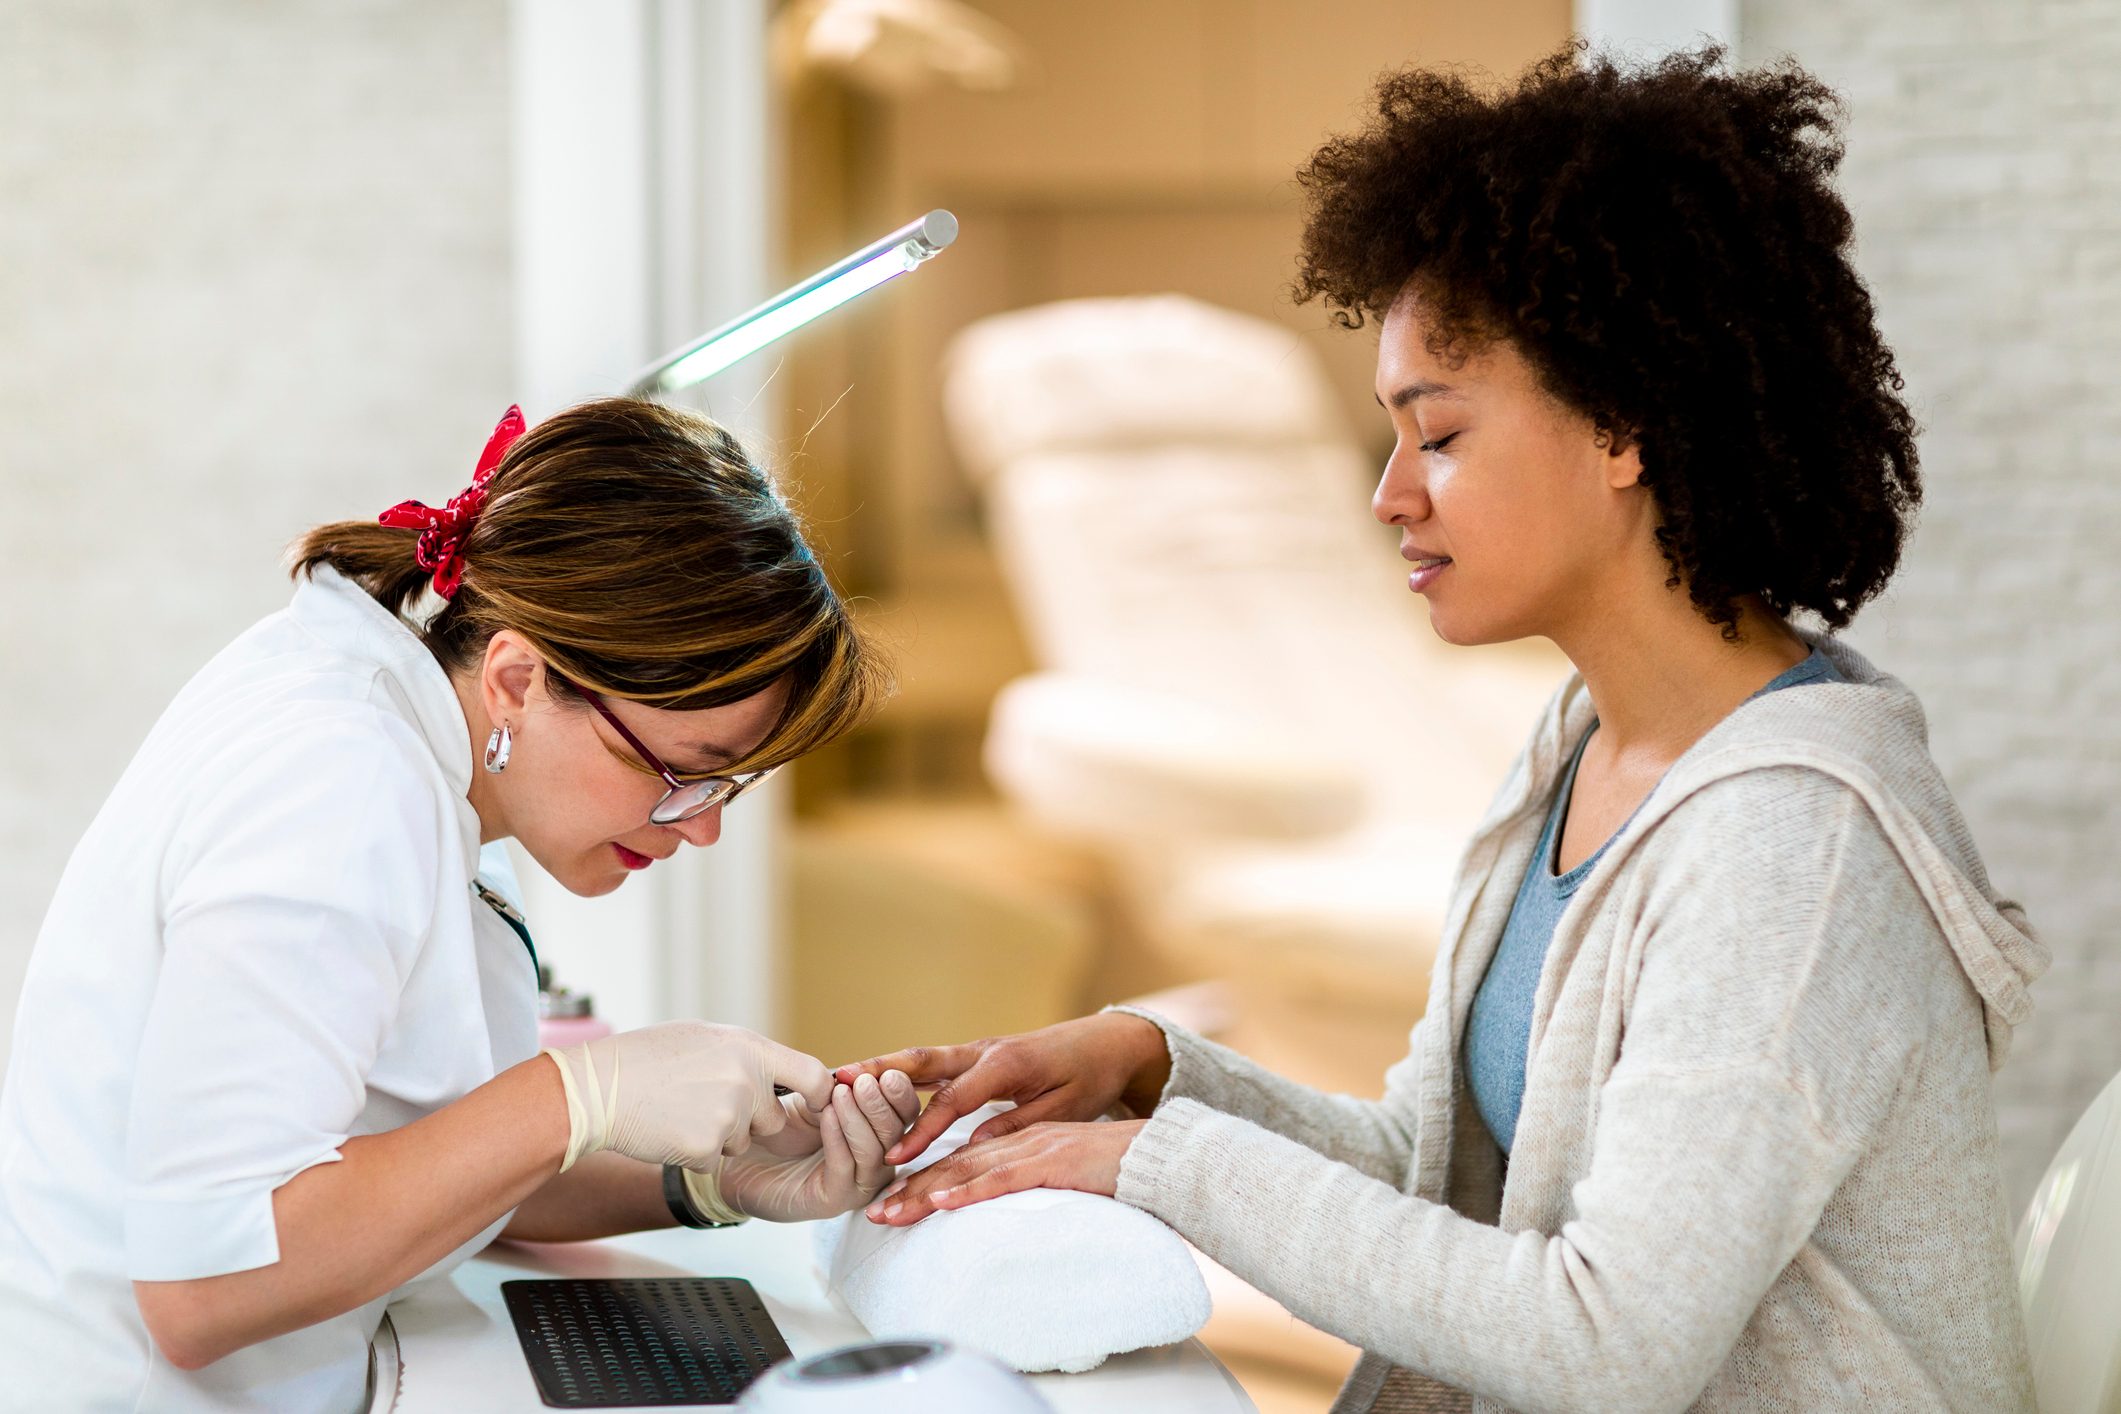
1700 1112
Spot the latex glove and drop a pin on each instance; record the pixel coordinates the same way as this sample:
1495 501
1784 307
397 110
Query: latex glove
683 1092
801 1135
846 1167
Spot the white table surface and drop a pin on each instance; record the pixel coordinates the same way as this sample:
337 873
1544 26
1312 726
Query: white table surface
458 1351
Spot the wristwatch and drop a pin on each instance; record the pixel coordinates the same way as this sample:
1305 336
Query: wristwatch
679 1198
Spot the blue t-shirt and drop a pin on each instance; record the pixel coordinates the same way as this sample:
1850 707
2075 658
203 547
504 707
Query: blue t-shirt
1499 1031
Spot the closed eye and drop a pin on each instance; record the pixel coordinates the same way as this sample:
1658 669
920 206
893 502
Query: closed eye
1440 443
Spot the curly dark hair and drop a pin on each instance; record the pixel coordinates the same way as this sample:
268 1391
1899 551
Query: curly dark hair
1665 247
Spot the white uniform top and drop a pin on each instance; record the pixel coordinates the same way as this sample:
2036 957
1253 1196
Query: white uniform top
266 944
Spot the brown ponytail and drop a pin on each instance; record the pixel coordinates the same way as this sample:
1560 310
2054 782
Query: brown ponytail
373 556
640 550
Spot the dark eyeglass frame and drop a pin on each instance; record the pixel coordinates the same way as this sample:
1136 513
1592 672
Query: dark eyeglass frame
685 800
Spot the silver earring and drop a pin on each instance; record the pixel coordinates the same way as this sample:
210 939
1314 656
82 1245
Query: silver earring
497 747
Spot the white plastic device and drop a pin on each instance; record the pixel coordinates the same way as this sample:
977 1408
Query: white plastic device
894 1377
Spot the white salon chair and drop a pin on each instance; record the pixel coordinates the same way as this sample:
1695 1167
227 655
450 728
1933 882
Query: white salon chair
2069 1267
1239 700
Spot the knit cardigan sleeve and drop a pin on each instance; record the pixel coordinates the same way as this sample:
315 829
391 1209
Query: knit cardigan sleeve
1374 1137
1772 1022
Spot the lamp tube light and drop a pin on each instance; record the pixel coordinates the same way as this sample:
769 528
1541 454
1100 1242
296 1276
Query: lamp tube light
797 305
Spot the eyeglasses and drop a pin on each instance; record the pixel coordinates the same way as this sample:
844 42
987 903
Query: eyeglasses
685 799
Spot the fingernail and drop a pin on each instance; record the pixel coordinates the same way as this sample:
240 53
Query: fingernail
939 1195
891 1210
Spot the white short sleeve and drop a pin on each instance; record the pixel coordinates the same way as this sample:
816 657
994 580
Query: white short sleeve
297 897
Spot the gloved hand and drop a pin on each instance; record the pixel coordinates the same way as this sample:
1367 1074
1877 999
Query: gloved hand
683 1092
818 1166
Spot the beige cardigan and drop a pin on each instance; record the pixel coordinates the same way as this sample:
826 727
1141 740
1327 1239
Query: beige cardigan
1756 1164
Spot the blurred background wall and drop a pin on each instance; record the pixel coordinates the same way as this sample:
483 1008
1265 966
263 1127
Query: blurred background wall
254 274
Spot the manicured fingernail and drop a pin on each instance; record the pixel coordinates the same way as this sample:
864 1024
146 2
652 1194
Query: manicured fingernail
891 1210
939 1195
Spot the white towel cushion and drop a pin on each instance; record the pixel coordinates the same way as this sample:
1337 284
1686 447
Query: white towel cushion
1043 1280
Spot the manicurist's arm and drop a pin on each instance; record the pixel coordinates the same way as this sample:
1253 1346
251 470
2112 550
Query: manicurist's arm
395 1204
392 1206
818 1164
252 1207
387 1206
602 1196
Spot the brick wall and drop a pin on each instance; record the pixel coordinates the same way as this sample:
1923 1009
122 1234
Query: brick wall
1984 169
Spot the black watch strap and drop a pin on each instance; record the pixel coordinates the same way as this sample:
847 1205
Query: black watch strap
680 1202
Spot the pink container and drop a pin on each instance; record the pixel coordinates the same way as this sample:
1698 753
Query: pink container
571 1030
566 1018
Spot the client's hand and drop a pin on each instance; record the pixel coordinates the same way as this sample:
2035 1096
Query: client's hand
1072 1071
822 1164
1084 1157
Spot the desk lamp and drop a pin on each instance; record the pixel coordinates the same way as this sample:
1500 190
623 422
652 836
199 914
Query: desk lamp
797 305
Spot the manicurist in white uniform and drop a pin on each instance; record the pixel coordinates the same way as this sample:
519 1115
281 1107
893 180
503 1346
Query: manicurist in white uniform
274 1058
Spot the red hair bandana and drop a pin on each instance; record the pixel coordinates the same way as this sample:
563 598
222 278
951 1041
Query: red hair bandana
442 531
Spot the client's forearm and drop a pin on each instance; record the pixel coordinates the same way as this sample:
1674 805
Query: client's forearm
602 1196
1374 1136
